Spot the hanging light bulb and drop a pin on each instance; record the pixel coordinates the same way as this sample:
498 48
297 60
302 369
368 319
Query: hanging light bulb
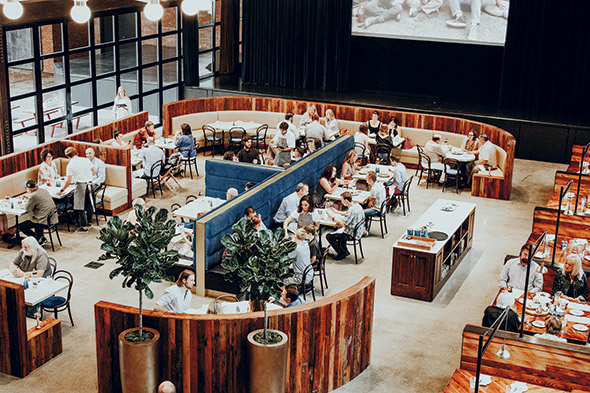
80 12
13 9
153 10
190 7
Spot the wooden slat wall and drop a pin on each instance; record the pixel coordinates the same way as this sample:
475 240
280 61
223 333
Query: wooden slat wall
488 188
106 131
329 343
23 351
570 226
577 151
532 360
20 161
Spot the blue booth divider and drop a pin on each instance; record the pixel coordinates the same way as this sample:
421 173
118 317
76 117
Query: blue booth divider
265 197
223 174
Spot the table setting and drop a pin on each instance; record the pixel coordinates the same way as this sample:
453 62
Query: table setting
37 289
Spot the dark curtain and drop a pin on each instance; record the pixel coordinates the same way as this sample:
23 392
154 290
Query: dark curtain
230 37
296 43
546 69
190 48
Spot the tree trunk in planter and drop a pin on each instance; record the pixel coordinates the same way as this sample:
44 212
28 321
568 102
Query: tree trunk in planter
139 363
268 364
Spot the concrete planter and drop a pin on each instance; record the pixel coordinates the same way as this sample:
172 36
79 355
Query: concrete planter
268 364
138 363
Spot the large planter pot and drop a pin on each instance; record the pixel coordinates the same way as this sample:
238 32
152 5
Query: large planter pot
138 363
268 364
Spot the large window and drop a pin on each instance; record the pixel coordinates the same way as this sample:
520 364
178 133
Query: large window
63 76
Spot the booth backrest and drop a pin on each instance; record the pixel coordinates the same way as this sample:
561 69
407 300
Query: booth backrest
106 131
570 225
420 137
223 174
329 343
533 360
265 198
263 117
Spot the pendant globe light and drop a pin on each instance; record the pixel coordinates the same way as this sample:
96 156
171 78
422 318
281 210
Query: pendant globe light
80 12
153 10
191 7
13 9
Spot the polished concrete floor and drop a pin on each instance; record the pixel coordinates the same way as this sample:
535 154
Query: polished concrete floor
416 345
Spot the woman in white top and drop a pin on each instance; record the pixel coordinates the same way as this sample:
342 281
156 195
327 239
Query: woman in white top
362 137
177 298
349 166
47 170
306 118
553 327
331 123
304 215
122 106
119 142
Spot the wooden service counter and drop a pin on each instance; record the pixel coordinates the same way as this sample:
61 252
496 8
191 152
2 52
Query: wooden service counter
329 343
421 273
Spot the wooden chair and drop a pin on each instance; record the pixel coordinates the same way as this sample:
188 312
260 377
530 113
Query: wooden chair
451 173
319 270
50 228
98 196
382 152
174 207
425 165
211 137
157 167
52 265
382 217
190 198
260 136
59 303
305 288
357 240
191 160
235 136
174 164
403 198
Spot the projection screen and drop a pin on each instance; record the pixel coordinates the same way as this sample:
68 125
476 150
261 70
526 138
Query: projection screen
464 21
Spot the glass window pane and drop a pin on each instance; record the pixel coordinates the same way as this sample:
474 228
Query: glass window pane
205 38
148 27
135 105
217 36
105 116
78 35
55 129
104 29
21 79
105 60
151 104
51 38
169 19
52 72
81 97
23 113
170 73
169 49
19 44
127 26
128 55
54 104
149 51
129 82
150 78
170 95
205 18
81 122
106 90
205 64
79 66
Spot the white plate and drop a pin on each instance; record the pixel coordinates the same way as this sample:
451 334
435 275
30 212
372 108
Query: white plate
538 324
539 254
542 299
544 294
575 312
580 328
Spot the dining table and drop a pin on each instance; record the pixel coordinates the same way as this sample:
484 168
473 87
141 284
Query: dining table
384 172
197 208
462 379
358 196
573 312
39 288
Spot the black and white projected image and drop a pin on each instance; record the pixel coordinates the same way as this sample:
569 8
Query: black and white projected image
468 21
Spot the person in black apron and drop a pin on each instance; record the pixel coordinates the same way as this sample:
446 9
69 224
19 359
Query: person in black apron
282 146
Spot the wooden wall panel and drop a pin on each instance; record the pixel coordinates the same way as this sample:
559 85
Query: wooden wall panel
329 343
533 360
488 188
44 344
20 161
570 226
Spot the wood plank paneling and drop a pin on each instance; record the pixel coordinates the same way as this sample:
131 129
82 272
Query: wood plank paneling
499 188
328 342
532 360
23 351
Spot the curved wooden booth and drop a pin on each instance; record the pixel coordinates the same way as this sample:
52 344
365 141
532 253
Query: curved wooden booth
483 186
329 343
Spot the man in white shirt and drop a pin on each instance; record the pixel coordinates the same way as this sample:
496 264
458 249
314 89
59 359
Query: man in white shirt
283 144
487 157
315 130
376 197
101 168
290 202
513 274
437 153
400 174
302 259
150 156
80 172
177 298
292 127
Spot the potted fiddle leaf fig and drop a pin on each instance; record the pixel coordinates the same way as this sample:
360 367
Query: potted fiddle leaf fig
140 251
259 262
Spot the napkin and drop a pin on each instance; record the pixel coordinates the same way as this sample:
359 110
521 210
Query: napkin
582 320
579 306
484 379
517 387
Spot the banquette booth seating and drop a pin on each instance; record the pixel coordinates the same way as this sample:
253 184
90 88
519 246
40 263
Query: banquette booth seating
22 350
556 365
272 185
416 126
329 343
